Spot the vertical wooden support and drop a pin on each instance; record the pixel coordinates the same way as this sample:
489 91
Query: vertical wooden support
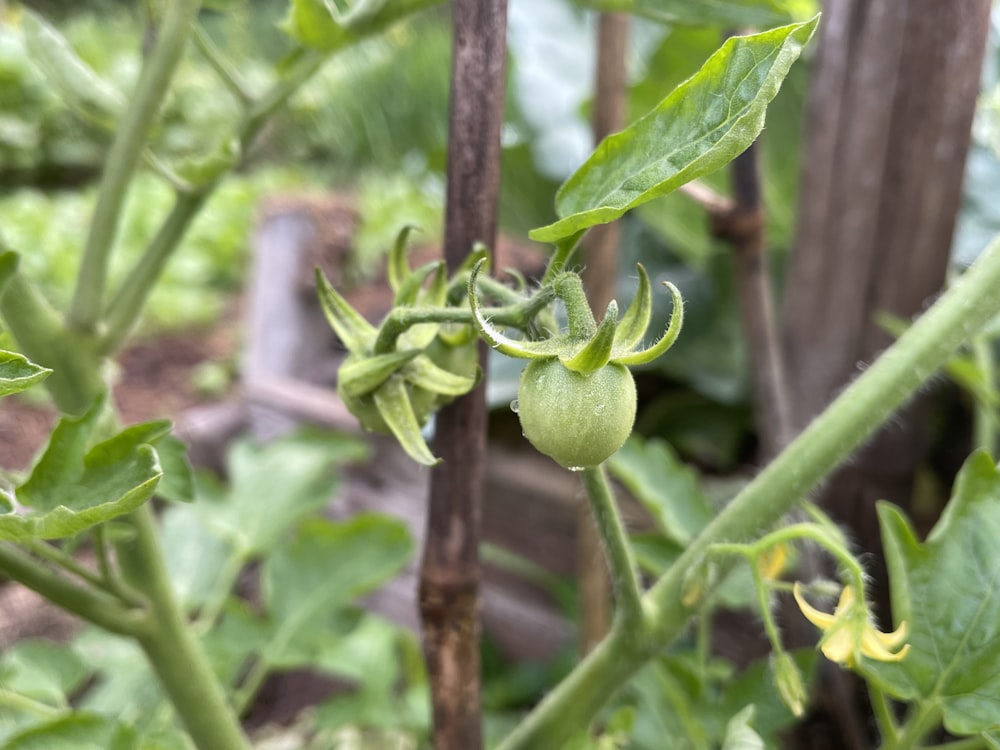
450 569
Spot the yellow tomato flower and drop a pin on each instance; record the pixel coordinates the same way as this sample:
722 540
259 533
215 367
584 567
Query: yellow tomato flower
773 562
849 633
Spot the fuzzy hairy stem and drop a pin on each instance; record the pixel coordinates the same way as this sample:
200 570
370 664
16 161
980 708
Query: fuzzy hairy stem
831 438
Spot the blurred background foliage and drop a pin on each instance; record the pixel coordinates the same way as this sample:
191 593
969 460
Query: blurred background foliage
373 123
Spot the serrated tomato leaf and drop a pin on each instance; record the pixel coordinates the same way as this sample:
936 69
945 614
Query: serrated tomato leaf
48 672
702 125
723 13
17 373
78 730
327 566
947 589
74 486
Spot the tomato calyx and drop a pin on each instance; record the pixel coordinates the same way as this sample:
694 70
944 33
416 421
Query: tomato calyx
576 397
424 353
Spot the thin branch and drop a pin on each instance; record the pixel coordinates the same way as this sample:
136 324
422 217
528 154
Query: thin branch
225 70
91 605
708 199
743 227
68 563
123 158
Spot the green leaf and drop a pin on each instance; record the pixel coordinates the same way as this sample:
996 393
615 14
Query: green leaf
125 686
73 487
78 730
177 484
86 93
722 13
42 670
325 567
946 589
322 25
195 554
273 487
703 124
740 735
666 487
17 373
8 264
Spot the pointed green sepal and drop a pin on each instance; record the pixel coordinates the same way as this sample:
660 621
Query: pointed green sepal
520 282
437 290
456 335
425 374
409 289
479 252
668 338
635 321
457 287
597 352
393 404
357 333
398 269
510 347
363 375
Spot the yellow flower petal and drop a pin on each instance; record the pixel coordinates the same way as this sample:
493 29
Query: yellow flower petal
838 646
881 646
821 620
772 563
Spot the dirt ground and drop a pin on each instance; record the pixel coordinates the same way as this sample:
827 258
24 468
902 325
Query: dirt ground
156 381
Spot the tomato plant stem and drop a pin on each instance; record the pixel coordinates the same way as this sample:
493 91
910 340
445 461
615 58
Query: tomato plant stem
76 373
985 424
171 646
123 158
618 552
92 605
127 304
831 438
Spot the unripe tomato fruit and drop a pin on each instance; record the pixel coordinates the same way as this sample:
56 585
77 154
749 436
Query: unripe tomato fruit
578 420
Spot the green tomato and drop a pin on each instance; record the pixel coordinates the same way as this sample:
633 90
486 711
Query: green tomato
578 420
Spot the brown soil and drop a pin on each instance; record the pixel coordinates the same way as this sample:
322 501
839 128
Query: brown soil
155 381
